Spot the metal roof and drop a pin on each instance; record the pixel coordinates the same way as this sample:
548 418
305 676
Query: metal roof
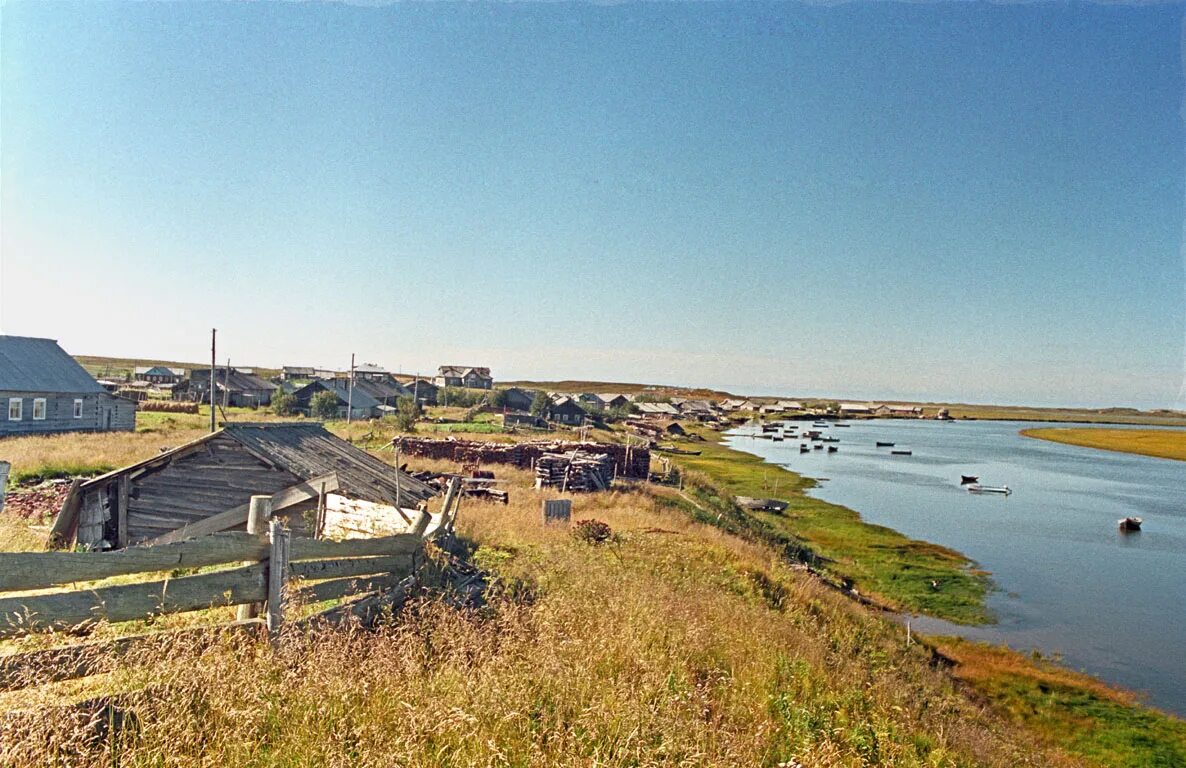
40 365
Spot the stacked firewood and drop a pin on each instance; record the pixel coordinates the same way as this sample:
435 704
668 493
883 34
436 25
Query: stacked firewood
629 462
575 471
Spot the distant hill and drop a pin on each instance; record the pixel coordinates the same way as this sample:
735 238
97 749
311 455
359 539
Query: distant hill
120 367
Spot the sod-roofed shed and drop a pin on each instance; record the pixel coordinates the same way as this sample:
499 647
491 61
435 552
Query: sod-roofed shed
206 485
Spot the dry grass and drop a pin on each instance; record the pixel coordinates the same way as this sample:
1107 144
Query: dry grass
1163 443
676 645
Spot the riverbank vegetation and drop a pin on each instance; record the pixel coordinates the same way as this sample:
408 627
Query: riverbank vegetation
897 571
1162 443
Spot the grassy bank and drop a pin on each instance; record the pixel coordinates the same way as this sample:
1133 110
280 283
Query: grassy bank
899 571
1163 443
1085 717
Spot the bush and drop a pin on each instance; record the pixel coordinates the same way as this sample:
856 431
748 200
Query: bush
284 404
324 405
407 413
592 531
540 404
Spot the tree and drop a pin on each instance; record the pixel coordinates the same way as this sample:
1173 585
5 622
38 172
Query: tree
407 413
284 404
324 405
539 405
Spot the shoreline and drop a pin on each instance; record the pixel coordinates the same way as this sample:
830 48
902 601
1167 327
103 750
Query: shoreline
1169 444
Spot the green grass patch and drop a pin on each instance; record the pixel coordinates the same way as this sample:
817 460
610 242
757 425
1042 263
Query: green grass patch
902 572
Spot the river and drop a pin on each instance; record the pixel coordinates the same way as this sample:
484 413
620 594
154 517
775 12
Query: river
1069 582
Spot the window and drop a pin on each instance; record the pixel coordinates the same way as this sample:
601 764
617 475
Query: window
78 407
15 408
39 409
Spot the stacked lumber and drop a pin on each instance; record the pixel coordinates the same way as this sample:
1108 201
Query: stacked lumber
574 471
632 462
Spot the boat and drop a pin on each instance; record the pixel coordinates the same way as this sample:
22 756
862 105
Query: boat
969 479
760 505
830 439
883 444
1004 490
1130 523
803 448
822 424
817 446
833 448
777 438
677 451
841 425
902 452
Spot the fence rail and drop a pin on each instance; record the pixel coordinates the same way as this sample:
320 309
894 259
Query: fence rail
259 568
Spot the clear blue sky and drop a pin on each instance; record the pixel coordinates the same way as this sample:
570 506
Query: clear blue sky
953 200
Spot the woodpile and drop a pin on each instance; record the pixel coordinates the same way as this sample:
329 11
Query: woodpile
574 471
629 462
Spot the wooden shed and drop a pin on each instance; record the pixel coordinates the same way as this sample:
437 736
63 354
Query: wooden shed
206 485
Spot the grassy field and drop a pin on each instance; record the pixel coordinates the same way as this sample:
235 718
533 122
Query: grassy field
1163 443
678 643
1085 415
898 571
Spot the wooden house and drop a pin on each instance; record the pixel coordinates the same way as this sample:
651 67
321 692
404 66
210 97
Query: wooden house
233 386
611 400
205 486
423 390
519 399
43 389
464 376
565 410
359 403
158 374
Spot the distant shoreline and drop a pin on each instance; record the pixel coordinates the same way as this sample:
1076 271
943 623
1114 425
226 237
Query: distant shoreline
1158 443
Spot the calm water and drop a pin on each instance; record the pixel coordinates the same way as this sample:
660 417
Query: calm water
1069 581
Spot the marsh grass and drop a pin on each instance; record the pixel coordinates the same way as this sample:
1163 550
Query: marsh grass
1162 443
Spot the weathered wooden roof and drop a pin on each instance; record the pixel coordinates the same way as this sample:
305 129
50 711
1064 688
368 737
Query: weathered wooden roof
309 451
40 365
306 451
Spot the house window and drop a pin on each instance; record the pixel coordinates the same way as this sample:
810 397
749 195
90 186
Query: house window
15 408
78 407
39 409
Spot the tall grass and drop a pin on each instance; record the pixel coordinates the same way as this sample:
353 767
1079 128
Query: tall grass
1162 443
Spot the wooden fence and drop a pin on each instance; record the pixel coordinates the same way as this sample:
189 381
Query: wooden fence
271 569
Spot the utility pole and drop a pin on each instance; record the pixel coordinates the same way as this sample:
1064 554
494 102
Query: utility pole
226 386
350 391
213 335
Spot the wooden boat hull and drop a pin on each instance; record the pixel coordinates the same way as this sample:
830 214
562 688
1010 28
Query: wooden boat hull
969 479
760 505
902 453
1130 523
881 444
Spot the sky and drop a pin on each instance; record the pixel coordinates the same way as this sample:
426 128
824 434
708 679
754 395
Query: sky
953 201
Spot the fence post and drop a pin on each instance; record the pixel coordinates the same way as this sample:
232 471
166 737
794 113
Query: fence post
258 513
277 575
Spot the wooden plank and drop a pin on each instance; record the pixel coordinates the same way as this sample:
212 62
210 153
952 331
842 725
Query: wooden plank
66 522
324 549
221 521
355 566
38 570
50 665
121 539
335 588
277 575
132 601
367 609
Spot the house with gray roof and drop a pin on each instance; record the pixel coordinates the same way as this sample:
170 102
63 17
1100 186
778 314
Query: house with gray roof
43 389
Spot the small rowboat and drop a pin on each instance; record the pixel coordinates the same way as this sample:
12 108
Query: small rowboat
833 448
677 451
1004 490
881 444
817 446
969 479
803 448
760 505
777 438
1130 523
902 452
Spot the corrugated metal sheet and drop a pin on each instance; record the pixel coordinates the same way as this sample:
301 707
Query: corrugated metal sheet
40 365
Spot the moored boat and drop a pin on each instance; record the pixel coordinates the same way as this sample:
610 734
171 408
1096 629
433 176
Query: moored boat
884 444
1130 523
969 479
902 452
1003 490
833 448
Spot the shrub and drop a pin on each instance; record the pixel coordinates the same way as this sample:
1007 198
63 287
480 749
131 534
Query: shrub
284 404
324 405
407 414
592 531
540 404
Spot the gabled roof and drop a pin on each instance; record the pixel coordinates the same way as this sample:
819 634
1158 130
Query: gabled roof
341 387
158 370
236 381
369 368
40 365
462 370
661 408
307 451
